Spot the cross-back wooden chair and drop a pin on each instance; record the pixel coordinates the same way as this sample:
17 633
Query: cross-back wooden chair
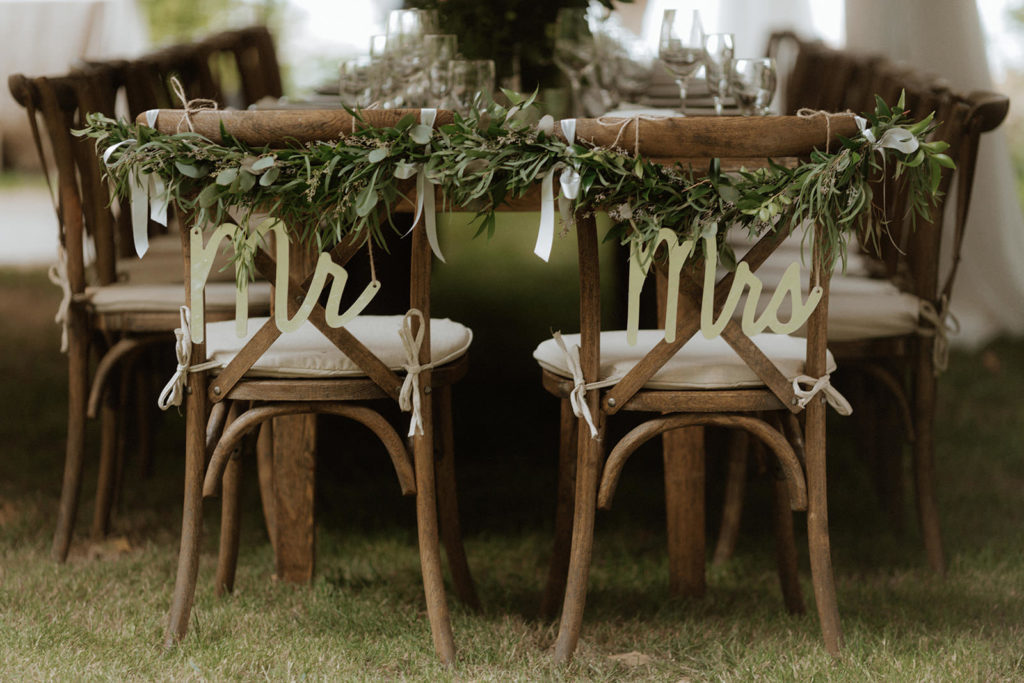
99 312
667 378
889 324
268 374
252 65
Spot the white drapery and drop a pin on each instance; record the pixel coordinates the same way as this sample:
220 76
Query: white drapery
945 37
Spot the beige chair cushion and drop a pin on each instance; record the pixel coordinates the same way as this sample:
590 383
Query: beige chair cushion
308 353
125 297
700 364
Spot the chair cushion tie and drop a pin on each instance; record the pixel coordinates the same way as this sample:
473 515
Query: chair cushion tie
819 385
942 323
409 396
174 390
578 395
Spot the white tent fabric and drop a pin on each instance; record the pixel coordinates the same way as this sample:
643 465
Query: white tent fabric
946 38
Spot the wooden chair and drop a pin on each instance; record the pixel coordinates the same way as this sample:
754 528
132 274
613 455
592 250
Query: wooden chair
255 381
659 377
887 322
118 319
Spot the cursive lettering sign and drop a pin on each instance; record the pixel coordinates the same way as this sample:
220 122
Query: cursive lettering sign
678 252
202 261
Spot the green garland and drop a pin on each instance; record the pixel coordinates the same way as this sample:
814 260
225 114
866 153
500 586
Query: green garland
326 190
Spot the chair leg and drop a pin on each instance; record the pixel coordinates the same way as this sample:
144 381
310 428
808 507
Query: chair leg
785 548
265 468
192 511
78 393
817 527
924 456
683 454
554 590
448 504
732 505
588 473
227 557
109 428
430 550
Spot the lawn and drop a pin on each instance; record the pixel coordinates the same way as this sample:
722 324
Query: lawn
102 614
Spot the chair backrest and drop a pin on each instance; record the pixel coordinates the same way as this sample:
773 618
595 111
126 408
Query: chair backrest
283 128
82 198
735 141
838 80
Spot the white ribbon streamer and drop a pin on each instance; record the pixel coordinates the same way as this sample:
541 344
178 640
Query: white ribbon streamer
427 205
409 396
174 390
943 323
578 395
569 183
819 385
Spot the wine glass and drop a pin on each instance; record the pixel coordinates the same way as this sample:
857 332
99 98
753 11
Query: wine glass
635 70
753 84
440 49
406 32
354 84
681 47
718 54
575 50
466 79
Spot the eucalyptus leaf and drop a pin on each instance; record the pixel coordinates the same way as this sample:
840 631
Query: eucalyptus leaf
268 178
378 155
366 201
227 176
263 163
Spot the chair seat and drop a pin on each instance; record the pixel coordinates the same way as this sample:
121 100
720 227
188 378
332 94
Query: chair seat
308 353
124 297
700 364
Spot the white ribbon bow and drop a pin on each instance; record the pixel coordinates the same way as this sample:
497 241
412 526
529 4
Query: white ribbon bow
149 196
569 184
578 395
58 275
426 205
174 390
897 138
943 323
409 396
821 384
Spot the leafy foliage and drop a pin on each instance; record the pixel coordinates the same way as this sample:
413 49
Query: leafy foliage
327 190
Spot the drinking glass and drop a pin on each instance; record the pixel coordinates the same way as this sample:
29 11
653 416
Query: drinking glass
635 71
681 47
381 83
354 84
406 33
575 50
753 84
718 54
439 50
466 79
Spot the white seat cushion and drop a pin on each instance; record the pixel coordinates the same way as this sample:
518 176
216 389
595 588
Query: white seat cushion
124 297
700 364
308 353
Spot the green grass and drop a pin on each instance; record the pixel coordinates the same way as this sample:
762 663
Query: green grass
101 616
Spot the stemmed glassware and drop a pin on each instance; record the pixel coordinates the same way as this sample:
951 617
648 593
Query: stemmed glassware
681 47
355 82
406 33
574 50
753 84
440 50
466 79
718 53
